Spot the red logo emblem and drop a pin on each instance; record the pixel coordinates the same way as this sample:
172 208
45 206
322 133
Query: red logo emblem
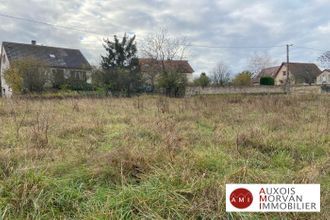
241 198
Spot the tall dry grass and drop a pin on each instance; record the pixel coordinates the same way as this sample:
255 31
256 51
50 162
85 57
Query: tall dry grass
155 157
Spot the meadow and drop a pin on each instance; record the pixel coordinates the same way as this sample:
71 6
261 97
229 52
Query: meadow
152 157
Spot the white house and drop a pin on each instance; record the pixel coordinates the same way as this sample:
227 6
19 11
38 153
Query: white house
69 63
324 78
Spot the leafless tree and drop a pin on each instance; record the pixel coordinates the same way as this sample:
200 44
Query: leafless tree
325 59
160 47
220 75
259 61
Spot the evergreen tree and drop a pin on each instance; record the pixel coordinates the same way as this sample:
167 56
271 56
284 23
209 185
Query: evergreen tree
120 65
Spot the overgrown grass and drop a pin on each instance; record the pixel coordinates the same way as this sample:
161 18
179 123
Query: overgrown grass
154 157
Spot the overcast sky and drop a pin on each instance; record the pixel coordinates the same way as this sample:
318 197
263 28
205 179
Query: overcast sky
215 23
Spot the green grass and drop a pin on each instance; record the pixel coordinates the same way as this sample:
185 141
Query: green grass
157 158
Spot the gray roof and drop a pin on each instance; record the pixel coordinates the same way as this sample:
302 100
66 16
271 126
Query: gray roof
52 56
303 72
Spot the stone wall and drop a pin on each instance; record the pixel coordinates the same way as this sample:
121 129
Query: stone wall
234 90
306 89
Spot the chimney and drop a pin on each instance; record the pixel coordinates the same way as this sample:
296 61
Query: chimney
33 42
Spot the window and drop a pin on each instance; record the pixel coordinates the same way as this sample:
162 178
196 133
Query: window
4 59
284 73
80 75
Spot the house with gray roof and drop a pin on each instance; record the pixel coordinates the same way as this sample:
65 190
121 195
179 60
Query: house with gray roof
69 63
299 73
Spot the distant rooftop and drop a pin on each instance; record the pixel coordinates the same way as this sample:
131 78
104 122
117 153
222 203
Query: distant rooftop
53 56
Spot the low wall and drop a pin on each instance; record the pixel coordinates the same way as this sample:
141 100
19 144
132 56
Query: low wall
234 90
306 89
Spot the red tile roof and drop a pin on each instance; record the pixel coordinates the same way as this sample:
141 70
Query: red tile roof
147 64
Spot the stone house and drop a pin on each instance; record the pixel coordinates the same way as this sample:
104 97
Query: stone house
324 78
64 62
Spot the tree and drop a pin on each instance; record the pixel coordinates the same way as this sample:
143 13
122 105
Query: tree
220 75
325 59
26 75
121 65
243 79
258 62
202 81
161 48
173 82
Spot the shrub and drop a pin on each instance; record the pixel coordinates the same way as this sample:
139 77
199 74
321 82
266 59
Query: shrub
173 82
243 79
267 80
202 81
27 75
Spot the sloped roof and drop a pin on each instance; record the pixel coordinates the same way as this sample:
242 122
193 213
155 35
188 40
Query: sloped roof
270 71
303 71
181 66
52 56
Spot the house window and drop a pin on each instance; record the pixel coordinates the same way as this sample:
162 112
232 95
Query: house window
284 73
4 59
80 75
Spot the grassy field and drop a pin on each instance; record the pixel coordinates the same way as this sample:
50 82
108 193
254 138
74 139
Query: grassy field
154 157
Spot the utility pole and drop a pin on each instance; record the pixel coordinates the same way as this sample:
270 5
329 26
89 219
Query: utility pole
287 83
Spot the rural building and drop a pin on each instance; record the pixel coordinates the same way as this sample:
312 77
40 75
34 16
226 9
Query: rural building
70 63
324 78
271 72
152 67
300 73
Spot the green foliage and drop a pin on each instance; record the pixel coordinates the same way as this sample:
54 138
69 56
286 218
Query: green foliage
173 82
120 66
57 79
202 81
243 79
267 80
28 75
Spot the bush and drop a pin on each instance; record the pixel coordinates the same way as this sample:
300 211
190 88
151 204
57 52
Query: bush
27 75
243 79
267 80
202 81
173 82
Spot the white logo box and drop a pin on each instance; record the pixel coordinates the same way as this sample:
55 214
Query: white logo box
279 197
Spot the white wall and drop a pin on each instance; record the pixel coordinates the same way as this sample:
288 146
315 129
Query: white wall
324 78
5 89
190 77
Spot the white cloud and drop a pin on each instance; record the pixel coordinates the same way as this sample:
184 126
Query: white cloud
228 23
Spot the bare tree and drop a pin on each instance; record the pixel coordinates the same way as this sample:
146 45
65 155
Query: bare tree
325 59
161 46
259 61
220 75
